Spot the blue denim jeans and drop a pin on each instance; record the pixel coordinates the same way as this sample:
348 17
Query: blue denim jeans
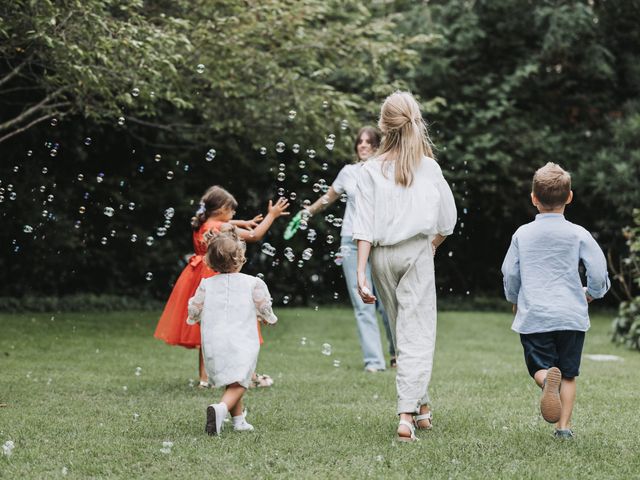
366 320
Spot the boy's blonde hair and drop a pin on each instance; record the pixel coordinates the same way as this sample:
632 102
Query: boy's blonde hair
551 185
225 250
405 135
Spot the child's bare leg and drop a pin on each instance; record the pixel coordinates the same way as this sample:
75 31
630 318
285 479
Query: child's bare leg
232 396
201 370
540 376
567 397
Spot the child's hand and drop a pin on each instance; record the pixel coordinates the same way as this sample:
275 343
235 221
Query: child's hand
280 207
248 224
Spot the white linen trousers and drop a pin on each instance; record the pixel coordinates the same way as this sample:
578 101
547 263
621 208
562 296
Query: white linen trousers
405 280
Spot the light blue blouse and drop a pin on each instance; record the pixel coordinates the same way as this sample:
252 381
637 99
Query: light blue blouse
541 275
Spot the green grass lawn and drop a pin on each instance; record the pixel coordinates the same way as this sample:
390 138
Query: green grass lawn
63 382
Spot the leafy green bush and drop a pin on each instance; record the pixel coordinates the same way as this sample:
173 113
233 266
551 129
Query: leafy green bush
77 303
626 326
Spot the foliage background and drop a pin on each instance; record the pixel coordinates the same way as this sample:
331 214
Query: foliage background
506 86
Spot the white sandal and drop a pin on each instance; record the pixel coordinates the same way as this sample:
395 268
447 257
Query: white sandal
411 428
424 416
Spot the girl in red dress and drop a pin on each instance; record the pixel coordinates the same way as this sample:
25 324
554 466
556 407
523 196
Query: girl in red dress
217 206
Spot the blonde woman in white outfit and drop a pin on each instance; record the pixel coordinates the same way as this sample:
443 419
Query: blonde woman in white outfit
404 211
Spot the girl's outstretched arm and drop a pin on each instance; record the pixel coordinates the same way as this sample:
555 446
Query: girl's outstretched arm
274 211
248 224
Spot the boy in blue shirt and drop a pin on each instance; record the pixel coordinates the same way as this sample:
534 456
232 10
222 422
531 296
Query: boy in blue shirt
542 280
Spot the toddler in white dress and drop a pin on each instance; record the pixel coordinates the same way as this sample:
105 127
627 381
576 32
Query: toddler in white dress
227 305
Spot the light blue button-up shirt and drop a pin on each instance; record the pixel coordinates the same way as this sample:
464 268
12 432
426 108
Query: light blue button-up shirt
541 275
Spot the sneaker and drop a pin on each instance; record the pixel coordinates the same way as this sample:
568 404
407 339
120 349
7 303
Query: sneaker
216 413
550 405
565 434
242 426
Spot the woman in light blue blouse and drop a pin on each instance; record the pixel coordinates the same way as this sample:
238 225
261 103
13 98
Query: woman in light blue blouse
366 144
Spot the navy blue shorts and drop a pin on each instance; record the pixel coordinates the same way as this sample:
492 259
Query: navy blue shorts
562 349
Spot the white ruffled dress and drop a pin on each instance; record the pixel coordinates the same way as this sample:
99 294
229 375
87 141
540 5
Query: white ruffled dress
227 306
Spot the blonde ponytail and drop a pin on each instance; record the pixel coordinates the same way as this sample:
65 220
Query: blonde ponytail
405 138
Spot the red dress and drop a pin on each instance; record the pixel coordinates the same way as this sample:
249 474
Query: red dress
172 326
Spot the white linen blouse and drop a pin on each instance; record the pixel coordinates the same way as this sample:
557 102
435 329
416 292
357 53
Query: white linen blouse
387 213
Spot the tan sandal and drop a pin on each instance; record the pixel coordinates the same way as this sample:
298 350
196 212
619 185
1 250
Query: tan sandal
424 416
259 380
412 430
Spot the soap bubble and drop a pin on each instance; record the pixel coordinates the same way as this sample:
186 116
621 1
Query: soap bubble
302 164
344 124
329 143
288 254
329 239
131 206
303 341
337 222
292 114
53 152
211 154
166 446
300 263
139 369
281 167
336 295
157 157
311 153
312 235
263 150
27 229
295 148
135 92
108 211
81 210
325 166
325 104
285 299
307 253
281 176
293 196
49 198
80 177
336 363
161 231
87 141
343 198
450 254
200 68
134 238
316 187
268 249
169 213
169 175
280 147
304 178
7 448
326 349
54 122
281 192
149 241
121 121
103 240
